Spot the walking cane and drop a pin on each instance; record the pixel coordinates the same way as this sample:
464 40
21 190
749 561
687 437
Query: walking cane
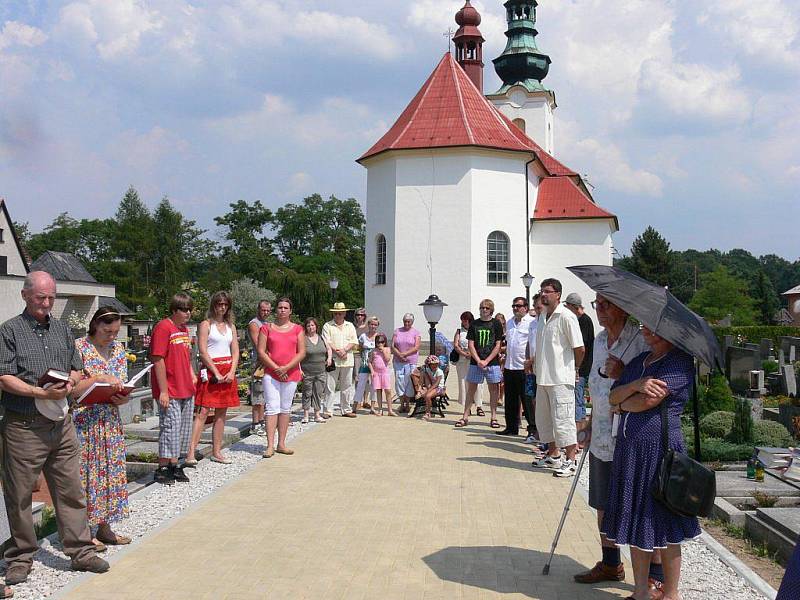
546 570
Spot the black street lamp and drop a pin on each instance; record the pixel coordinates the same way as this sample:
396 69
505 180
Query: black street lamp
333 284
432 308
527 281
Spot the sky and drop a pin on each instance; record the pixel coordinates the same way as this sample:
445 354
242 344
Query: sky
682 114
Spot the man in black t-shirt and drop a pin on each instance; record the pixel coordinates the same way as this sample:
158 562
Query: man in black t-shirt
484 337
575 303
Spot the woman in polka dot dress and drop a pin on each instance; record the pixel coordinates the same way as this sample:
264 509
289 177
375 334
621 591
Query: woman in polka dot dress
633 517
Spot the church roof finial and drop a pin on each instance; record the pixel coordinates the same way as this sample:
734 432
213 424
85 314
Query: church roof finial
469 44
521 63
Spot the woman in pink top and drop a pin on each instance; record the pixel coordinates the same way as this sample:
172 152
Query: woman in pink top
281 347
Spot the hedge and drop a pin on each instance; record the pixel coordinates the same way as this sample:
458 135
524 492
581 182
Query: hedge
717 424
770 433
755 333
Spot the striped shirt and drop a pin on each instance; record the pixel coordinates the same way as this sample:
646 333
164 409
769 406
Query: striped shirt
28 349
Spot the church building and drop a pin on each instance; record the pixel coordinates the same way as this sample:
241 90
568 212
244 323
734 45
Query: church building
464 194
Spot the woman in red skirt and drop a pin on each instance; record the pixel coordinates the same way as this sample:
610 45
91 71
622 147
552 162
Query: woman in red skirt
216 388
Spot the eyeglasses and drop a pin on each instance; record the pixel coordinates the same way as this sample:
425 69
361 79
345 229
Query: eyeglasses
601 304
519 306
546 292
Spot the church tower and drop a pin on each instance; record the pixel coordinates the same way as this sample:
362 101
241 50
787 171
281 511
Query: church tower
522 67
469 44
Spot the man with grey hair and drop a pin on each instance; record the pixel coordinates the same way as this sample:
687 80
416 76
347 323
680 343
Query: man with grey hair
340 337
38 433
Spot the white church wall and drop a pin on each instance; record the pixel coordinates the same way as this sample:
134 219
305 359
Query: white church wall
8 248
556 245
380 217
498 194
534 109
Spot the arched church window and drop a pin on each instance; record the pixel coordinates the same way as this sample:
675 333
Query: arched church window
498 258
380 260
520 123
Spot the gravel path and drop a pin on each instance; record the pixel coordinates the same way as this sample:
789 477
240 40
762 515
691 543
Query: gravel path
703 575
149 509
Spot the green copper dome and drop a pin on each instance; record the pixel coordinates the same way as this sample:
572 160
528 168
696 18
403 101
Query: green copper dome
521 63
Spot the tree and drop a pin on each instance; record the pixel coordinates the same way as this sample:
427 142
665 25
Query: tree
247 250
722 294
765 297
650 258
246 295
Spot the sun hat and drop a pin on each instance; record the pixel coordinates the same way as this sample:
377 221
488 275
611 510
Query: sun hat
574 299
339 307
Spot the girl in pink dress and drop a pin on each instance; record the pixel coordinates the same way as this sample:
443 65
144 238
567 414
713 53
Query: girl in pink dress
379 373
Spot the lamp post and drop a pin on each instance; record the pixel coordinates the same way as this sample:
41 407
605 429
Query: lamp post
432 308
333 284
527 281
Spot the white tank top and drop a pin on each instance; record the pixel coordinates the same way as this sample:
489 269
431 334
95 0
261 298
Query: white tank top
219 345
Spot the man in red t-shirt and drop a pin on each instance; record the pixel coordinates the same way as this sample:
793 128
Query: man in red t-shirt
173 387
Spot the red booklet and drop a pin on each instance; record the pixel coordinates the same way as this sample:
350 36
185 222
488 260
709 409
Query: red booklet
101 393
52 377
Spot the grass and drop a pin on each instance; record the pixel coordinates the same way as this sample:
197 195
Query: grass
764 500
48 524
145 457
735 531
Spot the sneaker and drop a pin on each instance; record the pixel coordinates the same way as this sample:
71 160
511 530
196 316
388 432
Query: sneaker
531 439
567 469
179 475
547 462
163 475
259 430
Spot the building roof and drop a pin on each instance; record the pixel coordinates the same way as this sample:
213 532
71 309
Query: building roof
561 198
63 267
794 290
108 301
449 111
25 258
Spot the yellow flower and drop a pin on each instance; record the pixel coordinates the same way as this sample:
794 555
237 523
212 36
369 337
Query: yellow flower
131 357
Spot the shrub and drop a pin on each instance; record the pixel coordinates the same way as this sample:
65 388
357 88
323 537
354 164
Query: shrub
717 424
770 433
754 334
742 430
715 449
764 500
769 366
717 396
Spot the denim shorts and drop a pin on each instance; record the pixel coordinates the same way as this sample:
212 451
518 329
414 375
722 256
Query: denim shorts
492 373
580 401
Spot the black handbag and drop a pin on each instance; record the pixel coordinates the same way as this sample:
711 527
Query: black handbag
683 485
454 355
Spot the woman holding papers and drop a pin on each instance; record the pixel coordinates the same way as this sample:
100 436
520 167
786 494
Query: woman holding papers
99 427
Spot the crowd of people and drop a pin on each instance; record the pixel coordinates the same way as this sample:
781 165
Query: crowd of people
538 363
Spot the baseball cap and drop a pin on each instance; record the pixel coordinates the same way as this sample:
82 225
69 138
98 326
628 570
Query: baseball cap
574 299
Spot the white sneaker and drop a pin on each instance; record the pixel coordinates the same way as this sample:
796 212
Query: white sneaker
547 462
567 469
259 430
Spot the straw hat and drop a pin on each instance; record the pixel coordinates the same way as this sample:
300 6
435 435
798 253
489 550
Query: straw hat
339 307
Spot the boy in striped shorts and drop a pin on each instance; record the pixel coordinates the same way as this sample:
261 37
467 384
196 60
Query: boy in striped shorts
173 385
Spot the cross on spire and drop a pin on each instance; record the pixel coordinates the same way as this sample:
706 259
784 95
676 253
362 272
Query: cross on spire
449 35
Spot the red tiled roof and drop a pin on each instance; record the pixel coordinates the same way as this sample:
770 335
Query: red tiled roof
561 198
450 111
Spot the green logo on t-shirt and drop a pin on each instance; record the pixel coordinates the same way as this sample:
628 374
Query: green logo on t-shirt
483 337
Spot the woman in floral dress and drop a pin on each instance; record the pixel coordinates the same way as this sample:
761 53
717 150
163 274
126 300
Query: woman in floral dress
99 428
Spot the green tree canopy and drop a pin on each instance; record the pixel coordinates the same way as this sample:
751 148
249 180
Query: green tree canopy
723 294
650 258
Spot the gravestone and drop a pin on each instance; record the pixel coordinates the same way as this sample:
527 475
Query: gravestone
738 364
750 346
789 380
781 358
766 349
727 342
792 354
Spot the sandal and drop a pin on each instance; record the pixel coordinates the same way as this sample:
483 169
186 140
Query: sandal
304 421
320 420
480 412
494 424
115 540
462 423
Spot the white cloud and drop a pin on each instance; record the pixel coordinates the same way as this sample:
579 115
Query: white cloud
143 152
694 92
767 29
435 16
15 33
114 28
299 183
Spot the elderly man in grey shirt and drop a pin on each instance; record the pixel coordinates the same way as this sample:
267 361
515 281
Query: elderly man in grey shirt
38 433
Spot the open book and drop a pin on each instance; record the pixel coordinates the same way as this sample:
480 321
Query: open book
101 393
55 410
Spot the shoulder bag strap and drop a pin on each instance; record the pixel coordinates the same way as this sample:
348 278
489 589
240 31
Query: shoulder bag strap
664 426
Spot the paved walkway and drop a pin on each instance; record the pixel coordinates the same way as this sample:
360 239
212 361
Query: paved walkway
372 508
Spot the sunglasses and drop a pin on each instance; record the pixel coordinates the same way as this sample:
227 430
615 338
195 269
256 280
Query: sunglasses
485 308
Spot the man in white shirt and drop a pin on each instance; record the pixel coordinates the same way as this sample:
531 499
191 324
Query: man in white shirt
340 337
614 347
517 329
559 348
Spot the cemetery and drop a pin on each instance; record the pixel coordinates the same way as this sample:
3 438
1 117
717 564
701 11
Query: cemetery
754 406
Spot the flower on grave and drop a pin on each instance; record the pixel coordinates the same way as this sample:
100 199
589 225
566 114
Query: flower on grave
131 357
245 354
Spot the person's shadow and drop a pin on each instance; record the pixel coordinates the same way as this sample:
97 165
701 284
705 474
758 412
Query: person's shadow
510 570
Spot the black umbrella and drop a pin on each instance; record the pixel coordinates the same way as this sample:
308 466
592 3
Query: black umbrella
657 309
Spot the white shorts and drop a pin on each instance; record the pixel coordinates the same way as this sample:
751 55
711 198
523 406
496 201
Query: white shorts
278 396
555 414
